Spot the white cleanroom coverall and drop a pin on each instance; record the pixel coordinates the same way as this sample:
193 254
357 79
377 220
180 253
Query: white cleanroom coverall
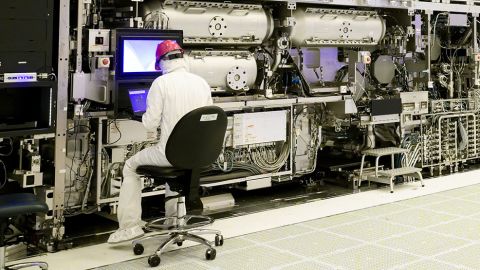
171 96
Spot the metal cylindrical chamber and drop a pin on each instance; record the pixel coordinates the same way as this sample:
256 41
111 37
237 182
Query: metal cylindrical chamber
336 27
224 70
214 22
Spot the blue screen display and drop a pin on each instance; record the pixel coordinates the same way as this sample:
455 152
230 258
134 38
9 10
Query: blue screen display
138 99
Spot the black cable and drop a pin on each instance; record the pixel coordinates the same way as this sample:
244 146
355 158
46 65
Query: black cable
84 161
73 160
5 178
119 132
11 147
392 17
75 150
267 51
305 86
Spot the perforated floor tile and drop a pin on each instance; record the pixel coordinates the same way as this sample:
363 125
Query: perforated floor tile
164 265
474 197
331 221
230 245
258 257
424 200
430 232
235 243
308 265
477 216
464 228
458 192
381 210
370 230
419 218
368 257
429 265
472 188
467 256
456 207
423 243
314 244
278 233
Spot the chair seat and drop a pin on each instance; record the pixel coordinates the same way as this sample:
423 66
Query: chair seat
156 171
19 204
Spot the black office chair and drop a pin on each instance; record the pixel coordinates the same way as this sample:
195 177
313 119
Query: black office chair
195 143
12 205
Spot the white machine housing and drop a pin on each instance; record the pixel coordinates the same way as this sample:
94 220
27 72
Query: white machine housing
224 70
122 132
214 23
338 27
415 102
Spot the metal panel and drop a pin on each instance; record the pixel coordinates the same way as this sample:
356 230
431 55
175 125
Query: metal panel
62 102
409 5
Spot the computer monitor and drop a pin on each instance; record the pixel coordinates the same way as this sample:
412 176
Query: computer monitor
138 100
135 51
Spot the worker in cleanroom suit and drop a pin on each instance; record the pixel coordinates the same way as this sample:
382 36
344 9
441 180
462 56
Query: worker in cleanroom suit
171 96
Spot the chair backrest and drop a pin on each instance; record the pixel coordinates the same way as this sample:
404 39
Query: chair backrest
197 139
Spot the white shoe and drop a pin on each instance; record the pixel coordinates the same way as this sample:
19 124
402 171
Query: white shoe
142 223
122 235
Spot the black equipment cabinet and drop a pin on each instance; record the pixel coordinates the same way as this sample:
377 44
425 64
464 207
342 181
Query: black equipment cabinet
26 31
27 108
26 47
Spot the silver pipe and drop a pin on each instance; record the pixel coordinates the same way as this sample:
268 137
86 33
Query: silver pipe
2 257
278 59
475 47
81 9
429 16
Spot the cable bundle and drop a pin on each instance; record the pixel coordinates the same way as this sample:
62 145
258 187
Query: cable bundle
266 158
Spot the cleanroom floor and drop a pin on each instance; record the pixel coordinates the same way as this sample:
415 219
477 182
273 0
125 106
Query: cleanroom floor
431 227
438 231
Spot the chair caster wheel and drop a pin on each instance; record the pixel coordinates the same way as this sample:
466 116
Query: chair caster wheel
218 240
391 191
154 261
138 249
180 243
423 185
210 254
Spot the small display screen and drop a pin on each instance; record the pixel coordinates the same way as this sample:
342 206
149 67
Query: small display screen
138 99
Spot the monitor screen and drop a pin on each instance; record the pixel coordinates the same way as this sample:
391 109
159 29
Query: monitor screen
135 51
139 55
138 100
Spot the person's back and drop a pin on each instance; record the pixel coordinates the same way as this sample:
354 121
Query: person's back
190 92
171 97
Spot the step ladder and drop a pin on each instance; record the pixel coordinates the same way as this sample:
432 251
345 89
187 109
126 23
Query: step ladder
387 176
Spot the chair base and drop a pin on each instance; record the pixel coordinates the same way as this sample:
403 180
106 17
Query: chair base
180 224
177 234
40 265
